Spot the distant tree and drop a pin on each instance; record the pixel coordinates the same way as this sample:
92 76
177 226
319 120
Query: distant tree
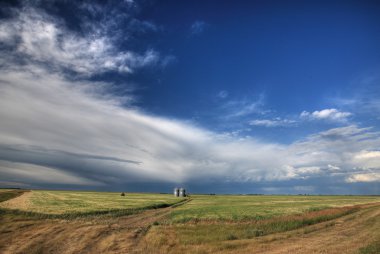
122 194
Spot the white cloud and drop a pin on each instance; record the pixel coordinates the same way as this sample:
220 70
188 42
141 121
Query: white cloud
333 168
326 114
367 177
368 155
42 39
367 159
332 115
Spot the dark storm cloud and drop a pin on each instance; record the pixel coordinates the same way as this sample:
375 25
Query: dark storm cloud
44 152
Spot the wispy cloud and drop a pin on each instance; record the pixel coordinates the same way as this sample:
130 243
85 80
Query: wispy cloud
198 27
364 98
328 115
277 122
245 107
222 94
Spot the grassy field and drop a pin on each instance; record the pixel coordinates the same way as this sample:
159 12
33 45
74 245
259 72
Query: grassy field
210 221
199 224
201 208
60 202
246 207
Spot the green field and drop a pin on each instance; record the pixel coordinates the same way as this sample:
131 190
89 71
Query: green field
60 202
246 207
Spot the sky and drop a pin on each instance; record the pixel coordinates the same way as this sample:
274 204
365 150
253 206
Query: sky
269 97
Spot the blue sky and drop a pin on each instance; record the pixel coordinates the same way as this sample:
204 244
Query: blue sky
217 96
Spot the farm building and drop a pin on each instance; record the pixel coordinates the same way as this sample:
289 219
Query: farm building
179 192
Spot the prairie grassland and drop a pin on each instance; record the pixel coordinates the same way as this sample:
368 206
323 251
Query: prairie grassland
64 202
246 208
205 224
